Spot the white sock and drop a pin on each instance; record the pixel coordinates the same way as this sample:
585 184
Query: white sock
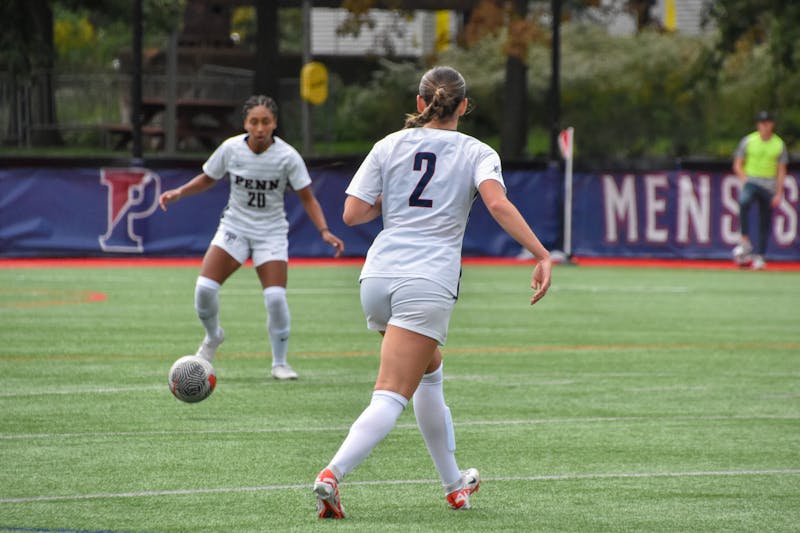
278 323
436 426
369 429
206 303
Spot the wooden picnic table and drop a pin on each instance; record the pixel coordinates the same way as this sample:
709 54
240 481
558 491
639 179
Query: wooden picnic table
206 120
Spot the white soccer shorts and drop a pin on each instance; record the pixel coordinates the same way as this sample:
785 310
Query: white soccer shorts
415 304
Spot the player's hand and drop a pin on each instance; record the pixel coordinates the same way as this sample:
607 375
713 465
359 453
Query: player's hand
541 279
167 198
334 241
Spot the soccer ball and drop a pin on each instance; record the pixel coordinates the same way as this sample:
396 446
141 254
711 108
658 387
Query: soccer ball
192 379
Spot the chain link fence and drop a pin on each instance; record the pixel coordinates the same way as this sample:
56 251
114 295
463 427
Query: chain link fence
87 105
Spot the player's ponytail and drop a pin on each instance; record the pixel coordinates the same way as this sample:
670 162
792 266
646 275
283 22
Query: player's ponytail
442 89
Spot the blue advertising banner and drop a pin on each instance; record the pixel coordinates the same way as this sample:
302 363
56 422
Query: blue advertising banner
80 211
672 214
67 212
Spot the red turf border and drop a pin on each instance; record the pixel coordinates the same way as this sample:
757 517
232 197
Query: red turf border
133 262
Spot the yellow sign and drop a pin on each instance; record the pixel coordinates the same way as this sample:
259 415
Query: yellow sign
670 16
442 30
314 82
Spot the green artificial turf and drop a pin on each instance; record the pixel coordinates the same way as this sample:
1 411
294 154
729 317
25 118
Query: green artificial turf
627 400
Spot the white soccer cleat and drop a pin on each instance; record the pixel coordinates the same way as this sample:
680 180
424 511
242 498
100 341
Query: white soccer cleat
758 263
208 348
741 253
459 499
283 372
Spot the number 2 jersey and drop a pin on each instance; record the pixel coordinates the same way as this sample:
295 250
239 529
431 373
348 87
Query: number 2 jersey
258 184
429 179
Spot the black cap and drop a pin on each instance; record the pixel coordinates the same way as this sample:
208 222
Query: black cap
763 116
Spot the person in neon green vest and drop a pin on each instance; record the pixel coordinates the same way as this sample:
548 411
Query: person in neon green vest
760 163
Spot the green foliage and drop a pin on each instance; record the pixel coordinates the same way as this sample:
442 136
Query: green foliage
627 97
23 38
483 68
379 108
650 95
243 23
749 22
90 35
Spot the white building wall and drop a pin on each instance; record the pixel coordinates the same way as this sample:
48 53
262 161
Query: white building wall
392 33
688 15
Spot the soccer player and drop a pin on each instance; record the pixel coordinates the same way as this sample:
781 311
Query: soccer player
760 163
253 224
422 180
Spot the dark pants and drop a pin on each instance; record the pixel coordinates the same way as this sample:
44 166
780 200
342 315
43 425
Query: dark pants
752 193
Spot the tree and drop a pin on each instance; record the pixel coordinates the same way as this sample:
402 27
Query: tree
748 22
485 17
267 76
26 37
514 135
747 27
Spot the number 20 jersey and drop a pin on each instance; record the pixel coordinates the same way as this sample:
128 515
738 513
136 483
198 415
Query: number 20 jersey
258 184
429 179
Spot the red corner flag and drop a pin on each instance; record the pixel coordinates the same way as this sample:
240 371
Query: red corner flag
565 142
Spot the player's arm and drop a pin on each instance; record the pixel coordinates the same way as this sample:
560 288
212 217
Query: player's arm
357 211
779 179
738 160
738 168
510 219
200 183
314 211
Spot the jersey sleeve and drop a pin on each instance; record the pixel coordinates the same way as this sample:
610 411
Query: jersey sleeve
741 149
367 183
217 164
783 158
488 167
297 171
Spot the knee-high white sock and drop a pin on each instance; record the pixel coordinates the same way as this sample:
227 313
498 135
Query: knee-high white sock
369 429
436 426
278 323
206 303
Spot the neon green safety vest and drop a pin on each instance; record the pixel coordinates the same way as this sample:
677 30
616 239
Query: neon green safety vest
761 157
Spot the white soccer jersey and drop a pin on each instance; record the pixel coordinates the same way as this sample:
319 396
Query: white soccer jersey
429 179
258 183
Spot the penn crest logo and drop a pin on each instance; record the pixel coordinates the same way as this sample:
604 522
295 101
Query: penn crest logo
132 194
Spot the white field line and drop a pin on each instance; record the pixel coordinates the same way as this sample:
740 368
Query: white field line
307 486
474 287
643 289
554 381
345 428
477 288
98 390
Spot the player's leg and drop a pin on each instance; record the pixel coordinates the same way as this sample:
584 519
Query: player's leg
273 276
219 263
415 315
764 199
436 425
425 308
742 251
404 357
